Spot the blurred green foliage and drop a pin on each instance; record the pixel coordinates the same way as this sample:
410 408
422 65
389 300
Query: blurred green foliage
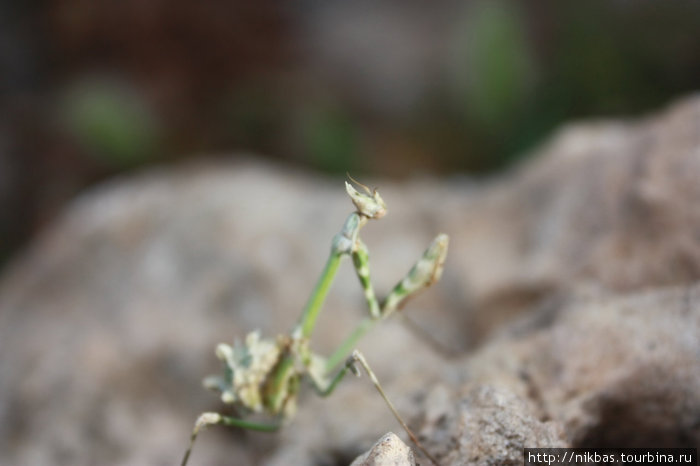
110 122
510 73
330 139
495 71
381 88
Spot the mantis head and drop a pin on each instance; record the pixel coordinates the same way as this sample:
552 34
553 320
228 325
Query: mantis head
369 204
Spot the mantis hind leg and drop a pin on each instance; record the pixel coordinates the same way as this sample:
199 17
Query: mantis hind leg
358 358
207 419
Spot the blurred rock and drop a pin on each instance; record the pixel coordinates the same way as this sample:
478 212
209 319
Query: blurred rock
492 427
605 203
570 305
599 371
388 451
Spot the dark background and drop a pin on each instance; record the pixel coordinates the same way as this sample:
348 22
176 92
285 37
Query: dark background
94 88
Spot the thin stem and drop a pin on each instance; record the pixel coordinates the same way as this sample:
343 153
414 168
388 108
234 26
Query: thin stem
318 296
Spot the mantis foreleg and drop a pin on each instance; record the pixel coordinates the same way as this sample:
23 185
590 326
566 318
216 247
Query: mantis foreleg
425 272
360 259
207 419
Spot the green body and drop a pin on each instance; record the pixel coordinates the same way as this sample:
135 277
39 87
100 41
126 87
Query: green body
281 388
264 375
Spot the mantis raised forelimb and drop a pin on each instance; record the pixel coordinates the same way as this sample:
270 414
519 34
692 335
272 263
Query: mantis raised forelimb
264 375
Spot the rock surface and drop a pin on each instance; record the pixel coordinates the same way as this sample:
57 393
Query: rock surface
388 451
570 306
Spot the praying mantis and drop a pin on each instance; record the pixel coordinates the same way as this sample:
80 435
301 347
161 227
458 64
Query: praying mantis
263 376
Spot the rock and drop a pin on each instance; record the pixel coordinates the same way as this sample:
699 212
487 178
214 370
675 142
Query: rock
622 370
569 305
388 451
493 426
609 371
610 203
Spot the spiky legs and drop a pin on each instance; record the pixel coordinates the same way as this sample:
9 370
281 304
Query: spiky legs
351 364
425 272
209 419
